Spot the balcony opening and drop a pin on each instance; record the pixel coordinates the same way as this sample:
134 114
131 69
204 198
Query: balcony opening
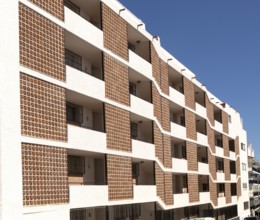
199 96
140 86
233 189
232 167
220 164
217 114
203 183
141 128
202 153
84 111
143 172
162 214
221 190
201 125
89 10
231 144
138 43
88 213
176 80
178 149
83 56
180 183
218 139
177 114
85 168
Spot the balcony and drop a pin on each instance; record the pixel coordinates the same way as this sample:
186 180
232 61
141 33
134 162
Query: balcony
203 168
220 176
202 139
144 193
221 201
201 110
218 126
178 131
219 152
83 28
234 199
139 64
177 96
181 200
143 150
233 177
83 83
204 197
180 165
141 107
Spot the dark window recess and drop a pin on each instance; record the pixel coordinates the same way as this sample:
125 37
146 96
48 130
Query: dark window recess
78 214
135 210
220 166
73 60
205 187
134 130
121 212
246 205
219 142
168 214
135 170
183 151
74 113
76 165
185 181
182 118
72 6
231 144
131 47
233 189
132 89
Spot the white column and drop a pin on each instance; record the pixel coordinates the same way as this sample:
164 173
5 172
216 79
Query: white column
11 205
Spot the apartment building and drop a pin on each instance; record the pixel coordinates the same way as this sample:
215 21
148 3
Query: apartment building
98 121
254 181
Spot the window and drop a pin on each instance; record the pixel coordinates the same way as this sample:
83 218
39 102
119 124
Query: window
182 119
219 142
246 205
183 151
185 181
72 6
73 59
229 119
220 165
205 187
74 113
244 185
221 190
132 88
243 146
244 166
135 170
78 214
76 165
121 212
135 210
233 189
134 130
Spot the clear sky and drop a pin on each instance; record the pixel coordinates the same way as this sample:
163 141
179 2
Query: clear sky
219 41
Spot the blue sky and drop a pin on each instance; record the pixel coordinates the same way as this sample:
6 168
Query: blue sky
217 40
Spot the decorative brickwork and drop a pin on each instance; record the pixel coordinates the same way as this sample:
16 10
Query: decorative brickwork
238 166
239 187
115 32
158 142
159 178
211 138
225 122
119 177
155 60
157 103
192 157
55 8
228 192
168 188
43 109
237 146
45 175
165 104
225 145
227 169
118 128
41 43
193 184
167 151
190 125
210 110
212 165
164 77
189 93
213 192
116 80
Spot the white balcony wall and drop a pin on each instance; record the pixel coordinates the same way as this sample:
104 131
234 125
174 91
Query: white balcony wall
140 65
233 177
179 165
144 193
178 131
181 200
201 110
220 177
218 126
83 28
86 139
232 155
177 97
60 213
202 139
234 199
143 150
221 201
219 151
204 197
203 168
141 107
84 83
88 196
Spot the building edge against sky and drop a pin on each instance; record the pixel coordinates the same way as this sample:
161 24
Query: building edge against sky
122 131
